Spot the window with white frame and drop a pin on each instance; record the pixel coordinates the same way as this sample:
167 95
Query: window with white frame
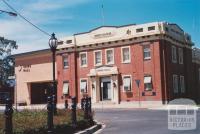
139 30
175 83
66 88
126 55
69 41
83 59
180 55
109 56
148 83
83 85
182 84
127 83
97 58
174 55
65 62
147 52
151 28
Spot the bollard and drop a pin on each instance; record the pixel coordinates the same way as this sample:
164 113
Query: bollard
89 104
90 107
73 112
86 108
54 104
82 103
8 117
50 115
66 104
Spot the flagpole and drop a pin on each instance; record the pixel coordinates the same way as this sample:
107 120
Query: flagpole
102 14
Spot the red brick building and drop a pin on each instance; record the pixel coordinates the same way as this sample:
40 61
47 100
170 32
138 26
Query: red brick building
106 62
149 63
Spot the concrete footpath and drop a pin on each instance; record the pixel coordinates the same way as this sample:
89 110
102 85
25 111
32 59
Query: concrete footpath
108 106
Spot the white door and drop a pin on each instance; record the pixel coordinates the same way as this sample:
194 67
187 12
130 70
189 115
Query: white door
109 90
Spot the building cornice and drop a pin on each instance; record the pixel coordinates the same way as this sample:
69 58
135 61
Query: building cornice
123 42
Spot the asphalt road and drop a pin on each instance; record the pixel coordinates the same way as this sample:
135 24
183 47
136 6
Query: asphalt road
143 121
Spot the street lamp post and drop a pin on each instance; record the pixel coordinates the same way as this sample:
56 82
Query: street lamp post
53 43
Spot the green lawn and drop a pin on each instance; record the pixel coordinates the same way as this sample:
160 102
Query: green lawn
32 122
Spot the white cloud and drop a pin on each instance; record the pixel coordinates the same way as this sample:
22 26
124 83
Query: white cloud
28 38
46 5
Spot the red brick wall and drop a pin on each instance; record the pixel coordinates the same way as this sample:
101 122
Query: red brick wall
30 60
67 74
170 68
160 67
137 68
196 81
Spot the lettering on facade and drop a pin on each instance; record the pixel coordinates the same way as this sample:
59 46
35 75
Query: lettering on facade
128 32
103 69
24 68
103 35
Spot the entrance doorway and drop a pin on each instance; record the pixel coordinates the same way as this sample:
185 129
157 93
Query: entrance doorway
105 88
39 92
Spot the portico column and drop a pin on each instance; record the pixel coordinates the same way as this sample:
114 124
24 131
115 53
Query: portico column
93 89
115 88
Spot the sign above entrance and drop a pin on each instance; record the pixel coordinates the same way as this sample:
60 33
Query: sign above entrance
104 70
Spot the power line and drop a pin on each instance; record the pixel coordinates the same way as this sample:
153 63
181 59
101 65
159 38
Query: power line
26 19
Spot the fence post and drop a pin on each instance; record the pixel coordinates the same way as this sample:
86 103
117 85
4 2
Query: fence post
66 104
86 108
8 116
73 111
82 103
50 115
90 107
54 104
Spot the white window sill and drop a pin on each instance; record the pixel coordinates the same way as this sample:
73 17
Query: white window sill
66 67
111 63
147 58
84 66
126 62
127 91
96 65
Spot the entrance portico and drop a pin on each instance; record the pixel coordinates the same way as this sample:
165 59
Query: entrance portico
104 84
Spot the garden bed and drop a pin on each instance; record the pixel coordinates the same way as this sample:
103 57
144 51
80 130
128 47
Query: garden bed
32 122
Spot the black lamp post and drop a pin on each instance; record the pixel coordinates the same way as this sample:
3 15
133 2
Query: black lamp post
53 43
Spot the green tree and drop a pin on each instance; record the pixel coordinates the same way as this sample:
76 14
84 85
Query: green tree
6 60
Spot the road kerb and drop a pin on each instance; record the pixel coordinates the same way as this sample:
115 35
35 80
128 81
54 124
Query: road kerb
92 129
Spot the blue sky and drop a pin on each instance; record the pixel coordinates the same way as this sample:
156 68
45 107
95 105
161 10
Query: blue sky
66 17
